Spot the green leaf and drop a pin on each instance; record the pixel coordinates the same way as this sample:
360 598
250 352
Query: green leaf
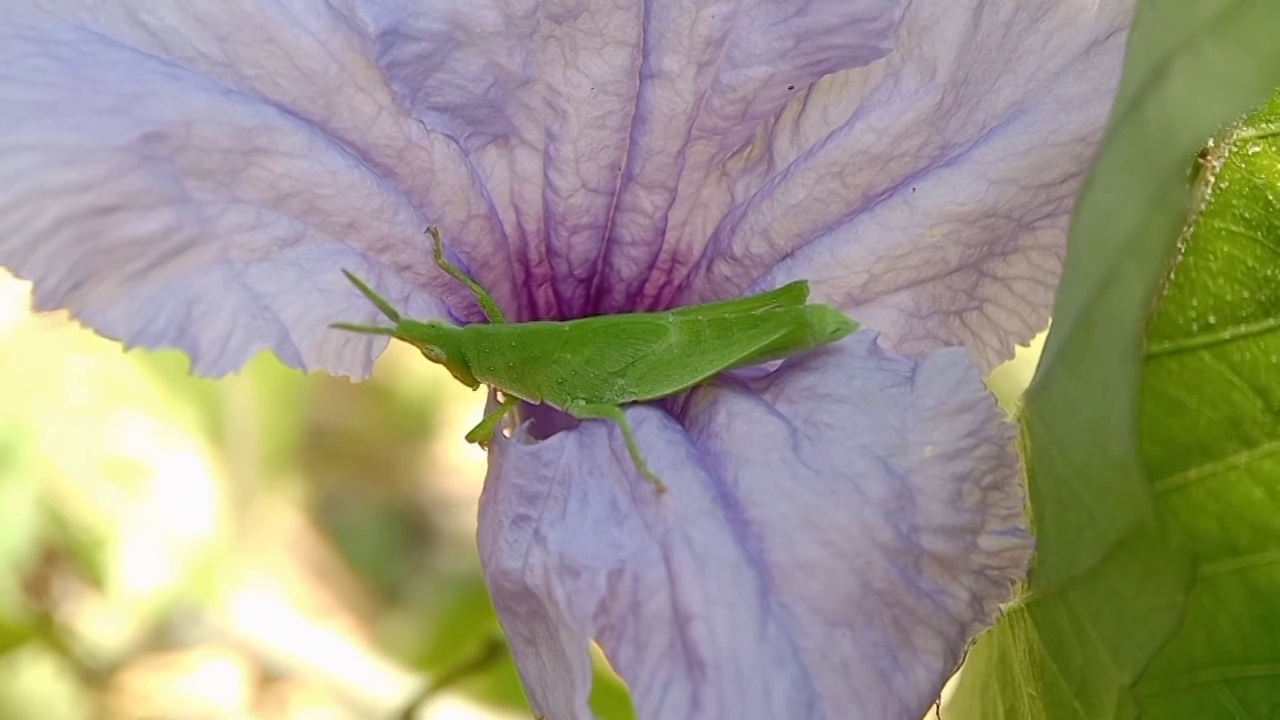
1192 66
1112 582
37 684
1076 652
14 635
256 417
467 623
1211 434
20 514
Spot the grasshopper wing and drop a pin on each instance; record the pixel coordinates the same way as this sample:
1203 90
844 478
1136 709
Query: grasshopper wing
648 356
707 332
611 344
793 294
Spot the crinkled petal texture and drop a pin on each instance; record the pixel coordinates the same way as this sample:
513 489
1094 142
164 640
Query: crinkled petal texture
606 129
832 534
194 174
929 194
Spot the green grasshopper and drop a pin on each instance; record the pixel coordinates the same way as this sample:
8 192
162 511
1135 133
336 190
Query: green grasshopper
590 367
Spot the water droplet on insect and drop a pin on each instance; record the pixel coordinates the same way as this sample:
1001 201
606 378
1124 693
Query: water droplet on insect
1213 319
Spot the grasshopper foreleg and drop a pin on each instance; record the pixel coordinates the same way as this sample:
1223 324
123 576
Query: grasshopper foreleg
487 303
482 433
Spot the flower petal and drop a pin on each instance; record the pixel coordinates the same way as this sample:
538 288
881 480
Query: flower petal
929 195
832 535
603 128
183 166
194 175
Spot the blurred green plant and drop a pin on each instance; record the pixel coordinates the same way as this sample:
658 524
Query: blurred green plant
130 493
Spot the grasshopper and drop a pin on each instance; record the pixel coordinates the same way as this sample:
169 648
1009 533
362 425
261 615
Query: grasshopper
592 366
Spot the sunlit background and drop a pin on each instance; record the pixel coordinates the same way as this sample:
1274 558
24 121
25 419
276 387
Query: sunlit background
270 546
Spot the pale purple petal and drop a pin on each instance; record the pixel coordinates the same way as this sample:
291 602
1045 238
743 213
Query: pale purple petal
929 194
832 536
580 157
195 175
604 130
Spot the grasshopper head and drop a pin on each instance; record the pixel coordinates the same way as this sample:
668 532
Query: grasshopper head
439 343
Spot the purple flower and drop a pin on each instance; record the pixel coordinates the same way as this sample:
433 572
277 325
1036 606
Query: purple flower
194 174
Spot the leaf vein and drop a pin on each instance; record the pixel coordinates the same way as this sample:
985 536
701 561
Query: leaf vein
1239 563
1231 702
1257 237
1217 467
1181 681
1260 132
1206 340
1239 382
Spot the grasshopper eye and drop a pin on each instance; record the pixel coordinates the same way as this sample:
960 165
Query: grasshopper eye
434 354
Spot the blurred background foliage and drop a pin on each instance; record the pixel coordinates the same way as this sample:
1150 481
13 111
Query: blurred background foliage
270 545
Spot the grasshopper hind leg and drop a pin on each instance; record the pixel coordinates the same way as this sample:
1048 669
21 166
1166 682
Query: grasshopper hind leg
614 413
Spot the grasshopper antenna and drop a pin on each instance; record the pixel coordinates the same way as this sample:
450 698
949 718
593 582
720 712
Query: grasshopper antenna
374 297
378 302
365 329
